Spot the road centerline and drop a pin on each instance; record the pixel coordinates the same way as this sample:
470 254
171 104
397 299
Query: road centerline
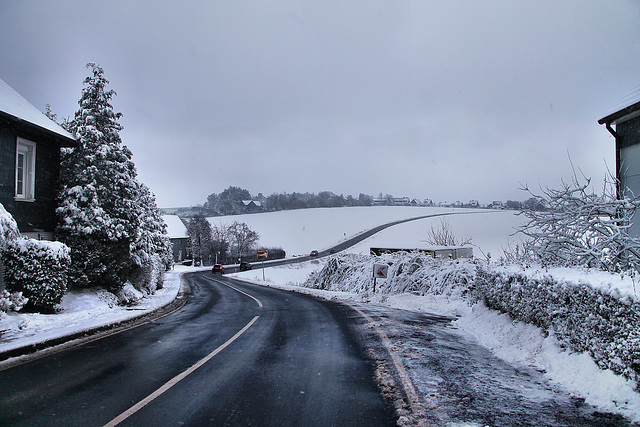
175 380
235 289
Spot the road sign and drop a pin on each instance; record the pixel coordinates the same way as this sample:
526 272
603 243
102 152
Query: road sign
262 254
380 271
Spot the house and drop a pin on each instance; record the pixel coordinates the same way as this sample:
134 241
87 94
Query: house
29 164
252 206
178 236
627 135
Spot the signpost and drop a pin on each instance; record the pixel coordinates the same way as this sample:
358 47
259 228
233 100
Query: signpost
380 271
263 255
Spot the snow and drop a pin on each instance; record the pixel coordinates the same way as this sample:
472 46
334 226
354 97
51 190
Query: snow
513 341
80 311
12 103
298 232
616 285
175 227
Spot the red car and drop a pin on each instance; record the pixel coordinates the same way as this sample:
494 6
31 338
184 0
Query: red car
217 268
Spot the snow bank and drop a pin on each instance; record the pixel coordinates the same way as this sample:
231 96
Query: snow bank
81 311
595 318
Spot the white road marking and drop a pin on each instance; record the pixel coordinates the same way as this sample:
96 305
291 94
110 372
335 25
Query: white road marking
175 380
235 289
409 389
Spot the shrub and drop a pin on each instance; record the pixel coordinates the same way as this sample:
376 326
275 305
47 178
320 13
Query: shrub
581 317
149 277
11 301
38 269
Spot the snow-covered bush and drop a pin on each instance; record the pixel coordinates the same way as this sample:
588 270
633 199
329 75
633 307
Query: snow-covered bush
8 227
415 272
128 295
149 276
13 301
38 269
582 317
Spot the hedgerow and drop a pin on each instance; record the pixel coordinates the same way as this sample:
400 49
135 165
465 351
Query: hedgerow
38 269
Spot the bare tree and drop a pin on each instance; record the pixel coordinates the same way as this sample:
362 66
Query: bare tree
444 236
242 237
200 238
581 227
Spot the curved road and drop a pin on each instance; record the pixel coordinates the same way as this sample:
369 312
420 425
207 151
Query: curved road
237 354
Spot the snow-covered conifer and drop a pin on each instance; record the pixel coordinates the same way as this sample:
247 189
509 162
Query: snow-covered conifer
102 206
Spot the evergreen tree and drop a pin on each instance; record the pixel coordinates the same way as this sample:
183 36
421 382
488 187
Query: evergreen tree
104 211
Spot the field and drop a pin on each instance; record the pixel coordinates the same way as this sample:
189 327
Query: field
300 231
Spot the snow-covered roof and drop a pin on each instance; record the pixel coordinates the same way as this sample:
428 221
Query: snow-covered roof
248 202
629 105
13 104
175 227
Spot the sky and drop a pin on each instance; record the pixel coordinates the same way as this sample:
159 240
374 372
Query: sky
446 100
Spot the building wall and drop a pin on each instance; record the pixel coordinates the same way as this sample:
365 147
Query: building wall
628 141
179 248
36 218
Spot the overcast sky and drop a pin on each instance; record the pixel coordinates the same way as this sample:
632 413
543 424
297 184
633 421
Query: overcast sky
448 100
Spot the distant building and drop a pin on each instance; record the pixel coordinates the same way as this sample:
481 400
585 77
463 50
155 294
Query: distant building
177 231
447 252
627 135
252 206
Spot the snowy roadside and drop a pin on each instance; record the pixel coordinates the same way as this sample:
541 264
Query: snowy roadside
81 311
513 341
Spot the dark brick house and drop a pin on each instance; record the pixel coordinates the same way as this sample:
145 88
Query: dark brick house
627 135
29 163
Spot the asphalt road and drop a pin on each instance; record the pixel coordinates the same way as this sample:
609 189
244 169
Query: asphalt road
236 354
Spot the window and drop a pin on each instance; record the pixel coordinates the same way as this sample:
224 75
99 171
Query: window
25 169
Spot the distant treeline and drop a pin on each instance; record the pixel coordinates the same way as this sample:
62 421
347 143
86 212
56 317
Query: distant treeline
236 201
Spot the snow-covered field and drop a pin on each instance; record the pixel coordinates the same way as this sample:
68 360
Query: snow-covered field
299 232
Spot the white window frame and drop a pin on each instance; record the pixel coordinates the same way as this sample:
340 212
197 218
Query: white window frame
25 188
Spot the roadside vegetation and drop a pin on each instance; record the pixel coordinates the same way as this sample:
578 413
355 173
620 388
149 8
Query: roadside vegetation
110 234
574 277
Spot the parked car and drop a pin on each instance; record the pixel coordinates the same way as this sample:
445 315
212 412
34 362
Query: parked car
244 266
313 253
217 268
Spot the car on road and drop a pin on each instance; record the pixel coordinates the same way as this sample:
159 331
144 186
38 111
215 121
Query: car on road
217 268
313 253
244 266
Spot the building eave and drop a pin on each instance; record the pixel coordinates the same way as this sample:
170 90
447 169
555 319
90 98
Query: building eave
626 113
18 123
